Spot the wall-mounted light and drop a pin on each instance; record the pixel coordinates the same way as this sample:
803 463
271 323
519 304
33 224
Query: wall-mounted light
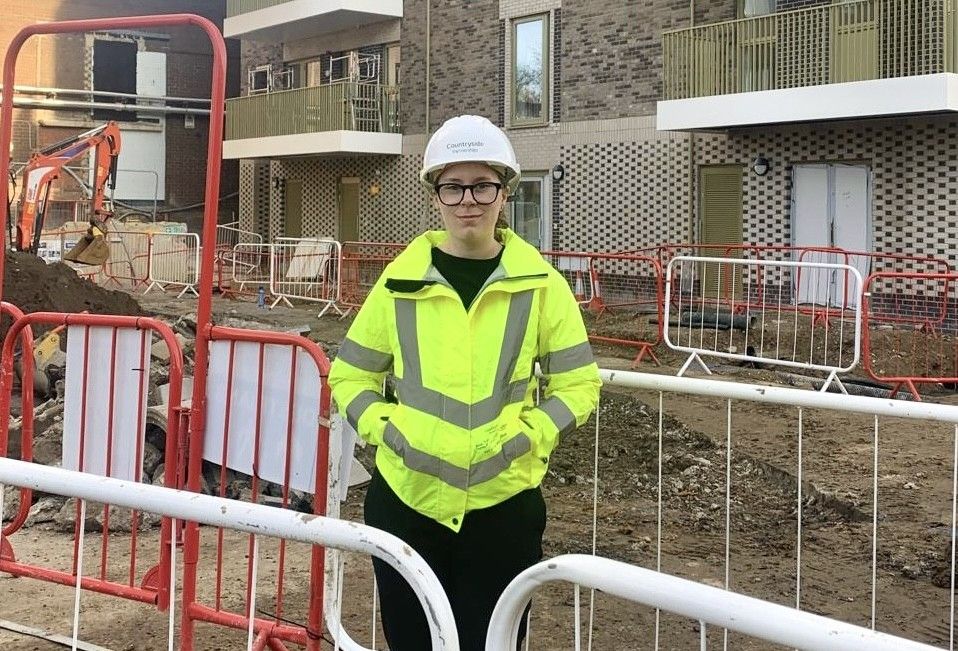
760 166
558 172
374 189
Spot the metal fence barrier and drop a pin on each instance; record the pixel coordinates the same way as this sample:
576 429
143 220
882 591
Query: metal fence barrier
175 261
745 310
307 270
258 521
702 603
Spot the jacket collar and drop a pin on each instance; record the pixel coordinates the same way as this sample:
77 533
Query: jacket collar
519 258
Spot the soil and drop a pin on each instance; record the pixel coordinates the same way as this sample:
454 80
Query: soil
34 286
913 553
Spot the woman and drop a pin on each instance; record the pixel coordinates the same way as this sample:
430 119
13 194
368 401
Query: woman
460 318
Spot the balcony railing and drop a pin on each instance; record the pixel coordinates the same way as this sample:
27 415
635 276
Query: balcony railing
237 7
849 41
349 106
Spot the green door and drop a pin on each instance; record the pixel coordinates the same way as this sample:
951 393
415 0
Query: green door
348 196
720 214
293 208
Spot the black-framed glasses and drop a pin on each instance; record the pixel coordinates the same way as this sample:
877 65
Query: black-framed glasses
483 193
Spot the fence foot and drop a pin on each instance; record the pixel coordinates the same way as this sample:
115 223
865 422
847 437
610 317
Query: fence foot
152 285
694 357
912 389
188 288
6 551
833 377
644 350
334 307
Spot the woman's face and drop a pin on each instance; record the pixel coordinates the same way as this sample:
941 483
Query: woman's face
471 224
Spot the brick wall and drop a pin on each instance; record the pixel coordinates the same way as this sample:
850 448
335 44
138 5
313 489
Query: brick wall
612 54
413 53
464 71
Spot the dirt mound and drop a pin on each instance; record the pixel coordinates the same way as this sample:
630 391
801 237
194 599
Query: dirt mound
35 286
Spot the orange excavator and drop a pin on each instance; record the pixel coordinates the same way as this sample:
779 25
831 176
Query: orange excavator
45 167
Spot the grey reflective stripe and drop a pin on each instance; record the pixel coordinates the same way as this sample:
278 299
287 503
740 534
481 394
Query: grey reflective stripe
516 323
408 333
561 416
492 467
413 394
364 358
461 478
455 411
567 359
358 406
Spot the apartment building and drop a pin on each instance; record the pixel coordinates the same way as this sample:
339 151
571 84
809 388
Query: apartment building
807 122
156 84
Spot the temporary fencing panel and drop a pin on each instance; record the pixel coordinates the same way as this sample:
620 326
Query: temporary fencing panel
266 426
129 263
24 449
247 266
257 521
105 403
747 314
362 265
702 603
307 270
622 293
232 243
175 261
911 322
738 485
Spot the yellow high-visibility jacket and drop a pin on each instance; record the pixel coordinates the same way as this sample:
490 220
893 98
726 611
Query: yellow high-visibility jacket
466 433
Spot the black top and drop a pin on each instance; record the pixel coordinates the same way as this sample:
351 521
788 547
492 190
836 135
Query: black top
466 275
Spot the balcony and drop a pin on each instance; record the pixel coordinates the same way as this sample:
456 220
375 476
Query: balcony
341 118
281 21
861 59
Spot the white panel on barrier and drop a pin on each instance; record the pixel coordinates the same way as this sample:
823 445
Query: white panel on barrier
129 392
273 413
309 259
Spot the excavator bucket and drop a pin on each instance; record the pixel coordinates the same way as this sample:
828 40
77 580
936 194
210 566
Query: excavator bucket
91 249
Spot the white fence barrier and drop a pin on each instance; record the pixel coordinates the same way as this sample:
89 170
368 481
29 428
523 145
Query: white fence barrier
175 261
749 311
306 270
249 269
256 519
706 604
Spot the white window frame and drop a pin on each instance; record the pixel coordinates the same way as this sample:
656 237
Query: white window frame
545 118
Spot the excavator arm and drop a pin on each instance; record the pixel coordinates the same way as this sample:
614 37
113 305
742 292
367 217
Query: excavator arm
45 167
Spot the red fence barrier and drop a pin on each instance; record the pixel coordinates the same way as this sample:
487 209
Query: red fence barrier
622 294
909 338
362 264
104 430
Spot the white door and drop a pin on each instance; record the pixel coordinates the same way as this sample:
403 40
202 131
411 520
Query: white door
830 209
530 212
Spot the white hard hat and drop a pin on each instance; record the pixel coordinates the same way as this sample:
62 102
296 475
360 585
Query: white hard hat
470 139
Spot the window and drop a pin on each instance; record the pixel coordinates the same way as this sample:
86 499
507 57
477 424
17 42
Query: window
749 8
530 71
530 211
114 71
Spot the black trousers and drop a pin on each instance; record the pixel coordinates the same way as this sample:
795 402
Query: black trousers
474 565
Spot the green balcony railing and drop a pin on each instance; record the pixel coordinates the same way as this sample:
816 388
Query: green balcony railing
237 7
845 41
351 106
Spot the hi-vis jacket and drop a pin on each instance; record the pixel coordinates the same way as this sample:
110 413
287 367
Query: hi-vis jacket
466 433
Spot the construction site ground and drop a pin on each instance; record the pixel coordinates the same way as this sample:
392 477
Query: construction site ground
914 483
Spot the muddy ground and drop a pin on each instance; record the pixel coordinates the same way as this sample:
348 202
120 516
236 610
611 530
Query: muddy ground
913 554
